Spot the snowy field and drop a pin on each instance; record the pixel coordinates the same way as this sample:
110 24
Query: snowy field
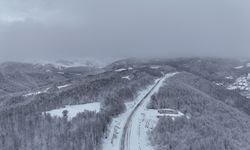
73 110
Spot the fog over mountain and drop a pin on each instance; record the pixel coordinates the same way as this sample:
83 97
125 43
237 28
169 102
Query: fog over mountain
124 75
45 29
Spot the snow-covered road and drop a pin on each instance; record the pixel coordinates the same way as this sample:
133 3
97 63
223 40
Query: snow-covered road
129 130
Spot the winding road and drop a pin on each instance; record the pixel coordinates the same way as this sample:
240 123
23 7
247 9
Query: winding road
127 134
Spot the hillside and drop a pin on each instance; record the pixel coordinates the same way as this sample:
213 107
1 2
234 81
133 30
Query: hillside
214 116
173 104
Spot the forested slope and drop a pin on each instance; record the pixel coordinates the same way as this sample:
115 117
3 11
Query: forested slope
24 126
214 118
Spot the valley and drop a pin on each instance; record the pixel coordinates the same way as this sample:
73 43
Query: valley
130 104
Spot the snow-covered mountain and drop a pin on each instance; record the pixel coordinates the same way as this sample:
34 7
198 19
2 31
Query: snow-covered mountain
129 104
80 62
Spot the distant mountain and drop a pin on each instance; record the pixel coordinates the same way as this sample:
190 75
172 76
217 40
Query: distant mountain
16 76
80 62
204 104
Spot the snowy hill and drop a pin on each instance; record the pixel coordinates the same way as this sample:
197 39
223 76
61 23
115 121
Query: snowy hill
129 104
80 62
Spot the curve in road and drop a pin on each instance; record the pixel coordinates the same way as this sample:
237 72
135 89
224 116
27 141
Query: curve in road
125 139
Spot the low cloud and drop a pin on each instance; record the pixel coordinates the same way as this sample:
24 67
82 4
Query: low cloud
45 29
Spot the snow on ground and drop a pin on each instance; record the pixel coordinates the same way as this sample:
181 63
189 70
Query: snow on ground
123 69
154 113
242 83
116 128
120 70
141 122
73 110
126 77
63 86
219 84
44 91
148 119
230 77
155 67
36 93
145 120
238 67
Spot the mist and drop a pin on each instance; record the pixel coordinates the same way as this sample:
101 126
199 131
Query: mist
47 30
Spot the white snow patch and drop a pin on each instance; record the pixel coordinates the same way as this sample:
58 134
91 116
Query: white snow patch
155 67
219 84
73 110
123 69
230 77
119 70
242 83
238 67
126 77
167 112
63 86
36 93
149 118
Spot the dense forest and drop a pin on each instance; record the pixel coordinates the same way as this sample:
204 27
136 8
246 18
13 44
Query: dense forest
24 126
215 118
210 121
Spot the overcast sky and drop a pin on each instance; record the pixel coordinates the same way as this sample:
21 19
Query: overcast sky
54 29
